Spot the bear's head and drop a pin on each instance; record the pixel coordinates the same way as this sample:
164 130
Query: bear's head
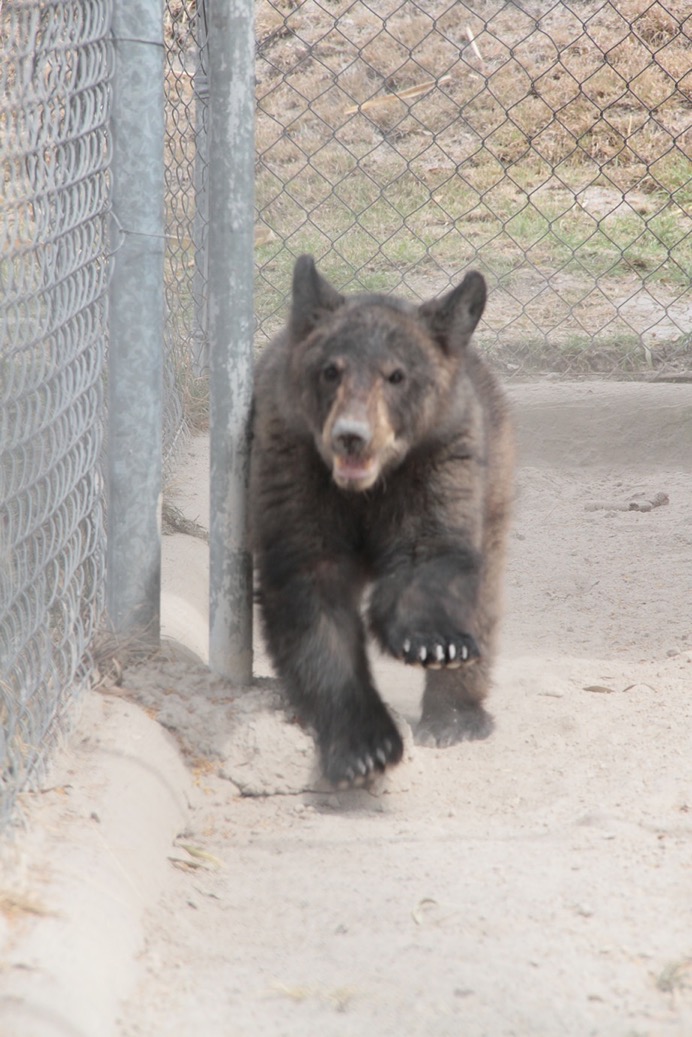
375 377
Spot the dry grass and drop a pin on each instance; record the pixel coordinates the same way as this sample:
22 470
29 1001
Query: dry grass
558 86
15 905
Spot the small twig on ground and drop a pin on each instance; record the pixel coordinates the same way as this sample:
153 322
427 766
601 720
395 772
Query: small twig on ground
174 521
474 45
398 95
635 504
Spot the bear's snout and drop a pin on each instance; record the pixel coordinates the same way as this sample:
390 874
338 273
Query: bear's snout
358 441
349 451
350 436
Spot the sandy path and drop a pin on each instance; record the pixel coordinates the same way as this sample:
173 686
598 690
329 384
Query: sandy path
536 883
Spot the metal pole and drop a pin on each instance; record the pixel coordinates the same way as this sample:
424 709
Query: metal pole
135 383
231 326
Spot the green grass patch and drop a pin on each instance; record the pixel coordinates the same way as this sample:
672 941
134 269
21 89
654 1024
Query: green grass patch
402 223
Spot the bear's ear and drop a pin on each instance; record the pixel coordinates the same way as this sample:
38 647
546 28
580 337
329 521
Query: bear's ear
312 298
451 320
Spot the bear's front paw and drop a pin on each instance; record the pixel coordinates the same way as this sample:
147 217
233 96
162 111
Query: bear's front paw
436 653
358 752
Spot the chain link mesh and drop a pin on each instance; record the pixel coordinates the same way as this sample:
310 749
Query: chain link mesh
541 142
404 141
185 157
54 100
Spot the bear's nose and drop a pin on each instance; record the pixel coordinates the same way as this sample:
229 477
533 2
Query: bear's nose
350 436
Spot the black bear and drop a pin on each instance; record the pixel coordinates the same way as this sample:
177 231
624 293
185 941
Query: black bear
382 455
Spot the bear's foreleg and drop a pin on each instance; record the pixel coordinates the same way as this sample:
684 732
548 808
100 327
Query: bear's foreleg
434 614
317 641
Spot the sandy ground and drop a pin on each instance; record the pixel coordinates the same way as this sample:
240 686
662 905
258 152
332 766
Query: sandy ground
537 883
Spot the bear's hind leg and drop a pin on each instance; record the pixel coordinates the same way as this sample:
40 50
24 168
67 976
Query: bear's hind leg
453 706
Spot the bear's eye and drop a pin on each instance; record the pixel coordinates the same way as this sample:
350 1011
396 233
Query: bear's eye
331 373
396 377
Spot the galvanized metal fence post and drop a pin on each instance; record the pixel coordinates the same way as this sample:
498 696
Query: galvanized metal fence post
231 327
135 382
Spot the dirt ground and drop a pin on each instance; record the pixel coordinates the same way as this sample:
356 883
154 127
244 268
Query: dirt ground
537 883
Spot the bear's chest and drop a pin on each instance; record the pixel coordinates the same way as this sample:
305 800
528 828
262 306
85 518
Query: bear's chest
399 510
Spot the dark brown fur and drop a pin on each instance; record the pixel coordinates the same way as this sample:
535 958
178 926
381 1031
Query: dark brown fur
382 454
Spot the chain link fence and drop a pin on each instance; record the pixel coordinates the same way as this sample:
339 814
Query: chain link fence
405 141
55 63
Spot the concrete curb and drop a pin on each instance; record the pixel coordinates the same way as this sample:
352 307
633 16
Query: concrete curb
94 860
582 424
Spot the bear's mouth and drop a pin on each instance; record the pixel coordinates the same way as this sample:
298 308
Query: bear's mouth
355 473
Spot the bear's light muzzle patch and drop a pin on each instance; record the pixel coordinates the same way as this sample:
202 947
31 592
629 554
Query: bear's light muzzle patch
358 441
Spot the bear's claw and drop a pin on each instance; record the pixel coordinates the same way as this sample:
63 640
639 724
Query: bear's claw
436 653
353 761
381 757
